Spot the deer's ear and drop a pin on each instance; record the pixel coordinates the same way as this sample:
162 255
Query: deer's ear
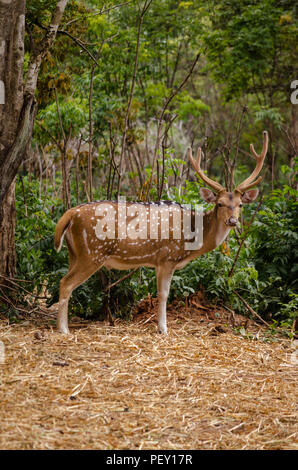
208 195
250 196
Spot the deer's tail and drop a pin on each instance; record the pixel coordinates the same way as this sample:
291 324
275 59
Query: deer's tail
61 228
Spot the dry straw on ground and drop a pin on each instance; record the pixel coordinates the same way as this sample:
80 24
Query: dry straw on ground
126 387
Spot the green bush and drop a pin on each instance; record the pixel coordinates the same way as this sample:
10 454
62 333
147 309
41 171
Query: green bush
275 249
36 256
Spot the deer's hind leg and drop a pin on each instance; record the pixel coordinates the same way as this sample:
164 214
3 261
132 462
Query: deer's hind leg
78 273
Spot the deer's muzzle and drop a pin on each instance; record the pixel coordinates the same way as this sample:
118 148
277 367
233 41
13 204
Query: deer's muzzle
232 222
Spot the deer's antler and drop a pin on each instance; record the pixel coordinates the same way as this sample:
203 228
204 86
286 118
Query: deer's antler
197 167
251 180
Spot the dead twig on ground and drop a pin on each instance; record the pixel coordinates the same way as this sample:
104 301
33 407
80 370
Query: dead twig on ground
250 309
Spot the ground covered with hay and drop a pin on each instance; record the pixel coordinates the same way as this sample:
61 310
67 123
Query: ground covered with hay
215 382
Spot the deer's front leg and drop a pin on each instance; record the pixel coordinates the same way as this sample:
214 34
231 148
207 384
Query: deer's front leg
163 277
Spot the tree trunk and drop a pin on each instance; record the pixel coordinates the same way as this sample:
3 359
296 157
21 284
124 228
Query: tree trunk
18 111
12 26
7 233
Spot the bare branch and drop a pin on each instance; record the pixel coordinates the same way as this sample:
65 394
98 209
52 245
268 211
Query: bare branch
160 120
146 5
101 12
79 42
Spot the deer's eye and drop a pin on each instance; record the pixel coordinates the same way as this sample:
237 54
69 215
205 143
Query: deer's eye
219 204
240 205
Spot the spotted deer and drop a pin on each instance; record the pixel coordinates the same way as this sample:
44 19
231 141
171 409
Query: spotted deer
121 235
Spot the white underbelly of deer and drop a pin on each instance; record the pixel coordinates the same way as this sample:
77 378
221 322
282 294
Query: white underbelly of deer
115 263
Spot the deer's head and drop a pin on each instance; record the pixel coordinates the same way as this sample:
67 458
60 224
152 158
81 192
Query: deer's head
228 204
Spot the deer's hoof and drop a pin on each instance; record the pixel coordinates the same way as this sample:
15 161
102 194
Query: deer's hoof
162 330
64 330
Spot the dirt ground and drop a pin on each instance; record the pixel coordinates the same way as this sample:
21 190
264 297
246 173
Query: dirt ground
204 386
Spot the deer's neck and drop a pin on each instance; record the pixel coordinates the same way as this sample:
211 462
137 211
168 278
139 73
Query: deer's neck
214 230
214 233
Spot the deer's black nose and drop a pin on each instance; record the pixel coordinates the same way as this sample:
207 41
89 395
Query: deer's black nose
232 221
